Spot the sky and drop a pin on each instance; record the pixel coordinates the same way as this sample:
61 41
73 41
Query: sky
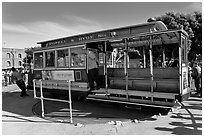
26 23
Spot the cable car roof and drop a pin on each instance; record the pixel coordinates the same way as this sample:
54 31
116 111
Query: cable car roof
134 29
138 33
158 38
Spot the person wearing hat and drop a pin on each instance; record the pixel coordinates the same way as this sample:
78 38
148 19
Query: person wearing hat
19 81
93 64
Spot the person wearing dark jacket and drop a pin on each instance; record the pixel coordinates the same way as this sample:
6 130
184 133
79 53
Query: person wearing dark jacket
196 75
19 81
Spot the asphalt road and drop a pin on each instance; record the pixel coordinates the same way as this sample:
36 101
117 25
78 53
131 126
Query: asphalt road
22 116
93 112
85 112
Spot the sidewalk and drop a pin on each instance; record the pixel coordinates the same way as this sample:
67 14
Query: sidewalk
16 120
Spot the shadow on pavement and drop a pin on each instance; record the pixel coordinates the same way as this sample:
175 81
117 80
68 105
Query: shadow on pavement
87 112
13 103
18 109
191 112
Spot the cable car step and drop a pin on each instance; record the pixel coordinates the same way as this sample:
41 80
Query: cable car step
100 92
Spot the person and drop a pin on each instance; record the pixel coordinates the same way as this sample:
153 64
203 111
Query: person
5 79
174 62
9 77
93 64
19 81
196 75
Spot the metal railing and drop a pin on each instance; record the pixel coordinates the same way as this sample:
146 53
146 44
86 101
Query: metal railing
42 98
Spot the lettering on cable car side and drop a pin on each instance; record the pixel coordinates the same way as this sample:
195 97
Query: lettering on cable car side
185 84
55 43
94 36
86 38
63 75
76 39
185 80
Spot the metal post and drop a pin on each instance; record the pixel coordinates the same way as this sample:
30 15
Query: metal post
41 98
87 61
151 66
144 57
70 102
34 88
164 57
105 69
180 64
126 67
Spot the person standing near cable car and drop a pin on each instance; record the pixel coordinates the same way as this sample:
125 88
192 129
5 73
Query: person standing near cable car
196 75
18 76
93 64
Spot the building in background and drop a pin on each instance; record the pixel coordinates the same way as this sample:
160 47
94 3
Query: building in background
12 57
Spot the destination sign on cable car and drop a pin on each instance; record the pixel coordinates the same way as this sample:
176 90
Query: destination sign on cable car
76 39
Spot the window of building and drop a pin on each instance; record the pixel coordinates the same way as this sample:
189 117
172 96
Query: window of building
77 57
8 55
38 60
62 58
19 63
19 56
50 59
8 63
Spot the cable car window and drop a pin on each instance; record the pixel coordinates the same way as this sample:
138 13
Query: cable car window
50 59
171 55
38 62
77 57
157 56
62 58
135 57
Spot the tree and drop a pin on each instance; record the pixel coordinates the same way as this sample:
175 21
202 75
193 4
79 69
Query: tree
191 23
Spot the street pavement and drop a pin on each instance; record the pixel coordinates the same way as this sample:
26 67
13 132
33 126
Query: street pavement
21 116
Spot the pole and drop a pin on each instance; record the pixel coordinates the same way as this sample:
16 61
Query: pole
163 60
34 88
105 68
126 67
87 60
144 57
70 102
180 65
41 98
151 66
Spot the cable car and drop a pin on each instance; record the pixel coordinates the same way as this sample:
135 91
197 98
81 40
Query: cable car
143 64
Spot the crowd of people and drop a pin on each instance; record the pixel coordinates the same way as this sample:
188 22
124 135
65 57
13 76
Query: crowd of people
7 78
